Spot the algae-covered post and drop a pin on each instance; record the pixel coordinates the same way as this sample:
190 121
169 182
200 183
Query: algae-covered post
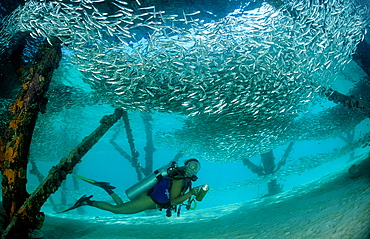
57 174
133 160
283 159
16 143
269 167
149 147
254 168
350 102
119 149
134 154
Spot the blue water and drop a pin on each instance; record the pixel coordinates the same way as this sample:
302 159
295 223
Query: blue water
104 163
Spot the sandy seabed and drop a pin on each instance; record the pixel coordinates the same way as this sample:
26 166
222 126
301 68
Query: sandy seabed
334 207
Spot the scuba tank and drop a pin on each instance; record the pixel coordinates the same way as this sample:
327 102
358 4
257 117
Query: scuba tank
148 182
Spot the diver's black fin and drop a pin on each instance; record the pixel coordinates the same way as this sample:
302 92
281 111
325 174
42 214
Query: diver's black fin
104 185
80 202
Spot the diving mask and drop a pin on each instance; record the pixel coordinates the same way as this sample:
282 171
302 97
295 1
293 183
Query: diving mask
192 168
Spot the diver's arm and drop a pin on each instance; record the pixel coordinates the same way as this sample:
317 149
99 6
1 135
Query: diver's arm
175 195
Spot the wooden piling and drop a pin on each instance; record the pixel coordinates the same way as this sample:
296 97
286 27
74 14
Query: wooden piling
16 143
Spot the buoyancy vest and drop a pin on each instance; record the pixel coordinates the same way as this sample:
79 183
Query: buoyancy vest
160 193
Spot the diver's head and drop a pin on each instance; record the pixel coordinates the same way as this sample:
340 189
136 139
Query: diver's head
192 166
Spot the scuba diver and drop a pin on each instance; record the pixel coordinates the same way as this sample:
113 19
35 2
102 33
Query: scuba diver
169 190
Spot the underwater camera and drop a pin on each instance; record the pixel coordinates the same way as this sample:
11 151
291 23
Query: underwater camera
202 192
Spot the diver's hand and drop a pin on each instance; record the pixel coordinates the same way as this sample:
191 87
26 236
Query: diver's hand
195 191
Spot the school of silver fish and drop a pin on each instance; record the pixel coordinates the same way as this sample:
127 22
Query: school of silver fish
244 77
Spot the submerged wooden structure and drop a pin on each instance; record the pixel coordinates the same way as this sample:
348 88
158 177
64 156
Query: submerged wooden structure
16 143
134 157
30 209
269 167
22 210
